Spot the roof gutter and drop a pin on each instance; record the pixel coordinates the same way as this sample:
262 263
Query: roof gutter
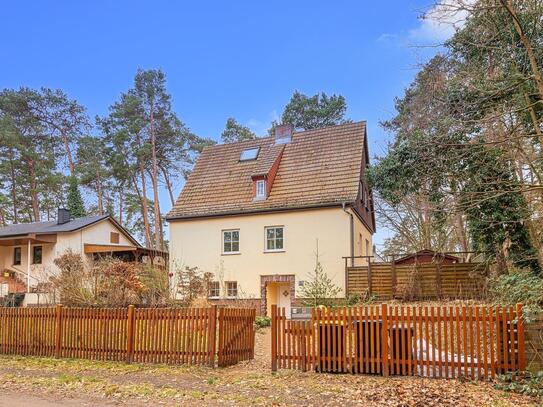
253 212
351 230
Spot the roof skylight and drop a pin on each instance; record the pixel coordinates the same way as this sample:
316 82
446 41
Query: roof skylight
249 154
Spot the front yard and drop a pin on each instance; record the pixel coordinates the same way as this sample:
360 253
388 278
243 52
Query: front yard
48 382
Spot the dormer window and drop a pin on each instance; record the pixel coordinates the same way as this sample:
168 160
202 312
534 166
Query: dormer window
260 189
249 154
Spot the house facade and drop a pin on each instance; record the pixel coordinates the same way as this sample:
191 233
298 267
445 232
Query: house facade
259 214
28 250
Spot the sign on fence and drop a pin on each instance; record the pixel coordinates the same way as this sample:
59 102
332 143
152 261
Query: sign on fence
157 335
475 342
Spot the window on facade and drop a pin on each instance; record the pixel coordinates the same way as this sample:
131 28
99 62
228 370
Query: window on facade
37 254
17 256
230 241
231 289
274 238
114 237
249 154
214 289
261 188
368 248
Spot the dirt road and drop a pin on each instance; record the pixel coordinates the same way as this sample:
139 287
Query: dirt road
39 382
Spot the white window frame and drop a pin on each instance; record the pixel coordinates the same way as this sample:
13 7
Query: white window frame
266 250
222 241
260 184
218 290
227 287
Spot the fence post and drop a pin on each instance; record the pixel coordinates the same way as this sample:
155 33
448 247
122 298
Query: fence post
520 336
438 276
130 327
394 277
274 336
370 279
212 336
384 338
58 338
220 352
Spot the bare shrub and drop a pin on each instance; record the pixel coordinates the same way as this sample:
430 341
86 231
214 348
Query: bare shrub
73 285
412 288
192 283
109 283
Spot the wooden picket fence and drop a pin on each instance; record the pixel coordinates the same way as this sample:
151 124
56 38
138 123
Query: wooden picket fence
475 342
157 335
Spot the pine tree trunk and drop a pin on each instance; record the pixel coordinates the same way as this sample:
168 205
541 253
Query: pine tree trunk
120 207
144 207
168 185
13 186
34 190
68 152
99 193
154 179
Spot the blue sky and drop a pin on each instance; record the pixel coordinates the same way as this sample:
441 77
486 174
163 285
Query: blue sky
222 58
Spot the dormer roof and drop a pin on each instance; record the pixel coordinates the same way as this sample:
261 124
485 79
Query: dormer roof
317 168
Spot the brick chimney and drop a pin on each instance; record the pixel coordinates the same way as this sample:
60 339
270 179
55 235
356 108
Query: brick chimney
283 133
63 216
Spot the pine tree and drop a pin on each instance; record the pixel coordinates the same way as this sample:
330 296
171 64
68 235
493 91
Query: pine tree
75 201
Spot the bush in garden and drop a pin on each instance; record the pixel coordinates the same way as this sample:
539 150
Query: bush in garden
518 286
262 321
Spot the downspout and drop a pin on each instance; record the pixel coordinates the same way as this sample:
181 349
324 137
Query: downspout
351 231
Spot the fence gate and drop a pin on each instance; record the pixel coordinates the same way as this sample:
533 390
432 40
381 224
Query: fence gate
474 342
236 335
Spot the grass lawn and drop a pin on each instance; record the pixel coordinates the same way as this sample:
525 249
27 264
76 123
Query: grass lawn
251 383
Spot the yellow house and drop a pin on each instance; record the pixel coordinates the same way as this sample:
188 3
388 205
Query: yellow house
257 213
28 250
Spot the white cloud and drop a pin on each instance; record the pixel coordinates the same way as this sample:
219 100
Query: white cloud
260 127
441 22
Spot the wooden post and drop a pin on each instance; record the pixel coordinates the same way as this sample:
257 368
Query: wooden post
274 336
384 338
370 286
394 277
438 276
346 279
130 327
520 339
58 339
212 336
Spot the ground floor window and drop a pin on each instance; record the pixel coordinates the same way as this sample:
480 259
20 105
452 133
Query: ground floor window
37 254
231 289
214 289
17 256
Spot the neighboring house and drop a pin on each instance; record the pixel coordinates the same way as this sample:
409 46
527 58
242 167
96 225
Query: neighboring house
255 213
28 250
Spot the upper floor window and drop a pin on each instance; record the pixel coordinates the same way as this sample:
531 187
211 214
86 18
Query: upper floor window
230 241
274 238
16 256
114 237
231 289
214 289
37 254
261 188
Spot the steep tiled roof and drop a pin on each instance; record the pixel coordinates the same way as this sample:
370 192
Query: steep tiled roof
318 168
